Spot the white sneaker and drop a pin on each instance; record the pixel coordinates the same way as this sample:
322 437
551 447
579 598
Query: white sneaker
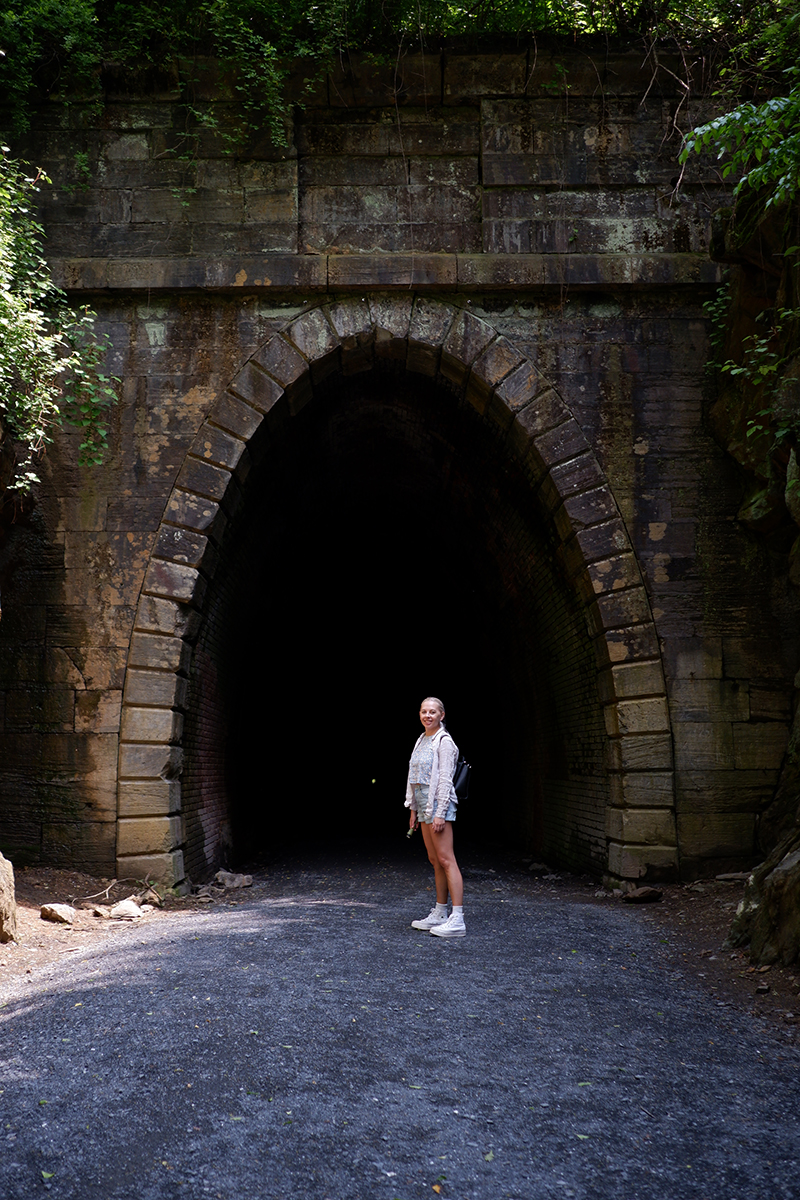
428 922
453 927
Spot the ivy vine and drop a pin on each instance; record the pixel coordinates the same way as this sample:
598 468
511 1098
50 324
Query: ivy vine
51 357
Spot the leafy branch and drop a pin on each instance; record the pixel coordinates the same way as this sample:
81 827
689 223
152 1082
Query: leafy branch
51 359
760 144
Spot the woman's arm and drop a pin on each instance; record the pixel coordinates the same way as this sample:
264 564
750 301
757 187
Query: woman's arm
448 757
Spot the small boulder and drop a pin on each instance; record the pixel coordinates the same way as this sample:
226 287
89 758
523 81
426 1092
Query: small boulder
643 895
126 910
8 902
229 880
61 914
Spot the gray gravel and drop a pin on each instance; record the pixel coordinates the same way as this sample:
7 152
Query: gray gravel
305 1041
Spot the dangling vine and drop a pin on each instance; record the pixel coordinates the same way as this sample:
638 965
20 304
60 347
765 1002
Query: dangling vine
51 359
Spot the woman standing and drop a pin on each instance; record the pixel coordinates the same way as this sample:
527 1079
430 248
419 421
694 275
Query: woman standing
432 799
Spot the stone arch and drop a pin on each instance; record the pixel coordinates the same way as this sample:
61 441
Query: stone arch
467 354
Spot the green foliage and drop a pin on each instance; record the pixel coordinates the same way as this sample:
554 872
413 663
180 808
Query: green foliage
717 311
50 358
758 142
47 43
67 45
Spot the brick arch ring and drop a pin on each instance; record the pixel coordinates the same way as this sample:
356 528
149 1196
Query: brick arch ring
466 354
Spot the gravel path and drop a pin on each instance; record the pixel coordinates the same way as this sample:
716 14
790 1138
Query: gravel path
306 1042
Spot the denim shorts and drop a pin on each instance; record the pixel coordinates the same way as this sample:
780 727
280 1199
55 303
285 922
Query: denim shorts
421 801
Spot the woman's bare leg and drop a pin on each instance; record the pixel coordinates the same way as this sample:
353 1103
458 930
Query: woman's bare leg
438 870
442 856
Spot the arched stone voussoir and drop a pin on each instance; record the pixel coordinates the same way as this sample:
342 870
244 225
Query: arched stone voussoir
315 338
352 322
500 358
467 339
428 329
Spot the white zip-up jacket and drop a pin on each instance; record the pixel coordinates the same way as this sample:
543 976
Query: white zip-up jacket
440 790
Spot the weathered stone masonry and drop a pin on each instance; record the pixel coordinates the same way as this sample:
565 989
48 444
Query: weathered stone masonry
506 253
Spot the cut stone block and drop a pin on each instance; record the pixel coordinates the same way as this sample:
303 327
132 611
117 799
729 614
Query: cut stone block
644 789
151 725
760 746
281 360
149 835
194 512
160 688
393 315
615 610
237 416
165 868
256 387
218 447
641 752
312 335
629 680
636 862
149 798
581 474
648 715
159 652
626 645
768 705
614 574
703 745
468 337
97 711
753 658
430 322
546 411
716 835
498 360
350 318
693 658
173 581
562 444
655 827
137 761
601 541
709 700
724 791
184 546
203 479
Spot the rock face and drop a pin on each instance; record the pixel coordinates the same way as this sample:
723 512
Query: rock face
8 903
768 918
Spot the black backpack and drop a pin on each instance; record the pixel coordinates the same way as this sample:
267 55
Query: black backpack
461 777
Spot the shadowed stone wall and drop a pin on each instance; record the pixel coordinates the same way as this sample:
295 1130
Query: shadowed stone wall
513 244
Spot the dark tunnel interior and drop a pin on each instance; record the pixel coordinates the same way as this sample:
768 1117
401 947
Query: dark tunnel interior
389 548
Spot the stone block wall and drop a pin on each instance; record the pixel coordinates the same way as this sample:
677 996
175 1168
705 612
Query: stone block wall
542 204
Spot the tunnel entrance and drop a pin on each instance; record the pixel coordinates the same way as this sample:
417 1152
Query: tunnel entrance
389 546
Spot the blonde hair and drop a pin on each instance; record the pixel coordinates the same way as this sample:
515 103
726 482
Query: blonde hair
436 701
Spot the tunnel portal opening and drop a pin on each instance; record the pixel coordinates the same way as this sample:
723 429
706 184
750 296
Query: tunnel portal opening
388 546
